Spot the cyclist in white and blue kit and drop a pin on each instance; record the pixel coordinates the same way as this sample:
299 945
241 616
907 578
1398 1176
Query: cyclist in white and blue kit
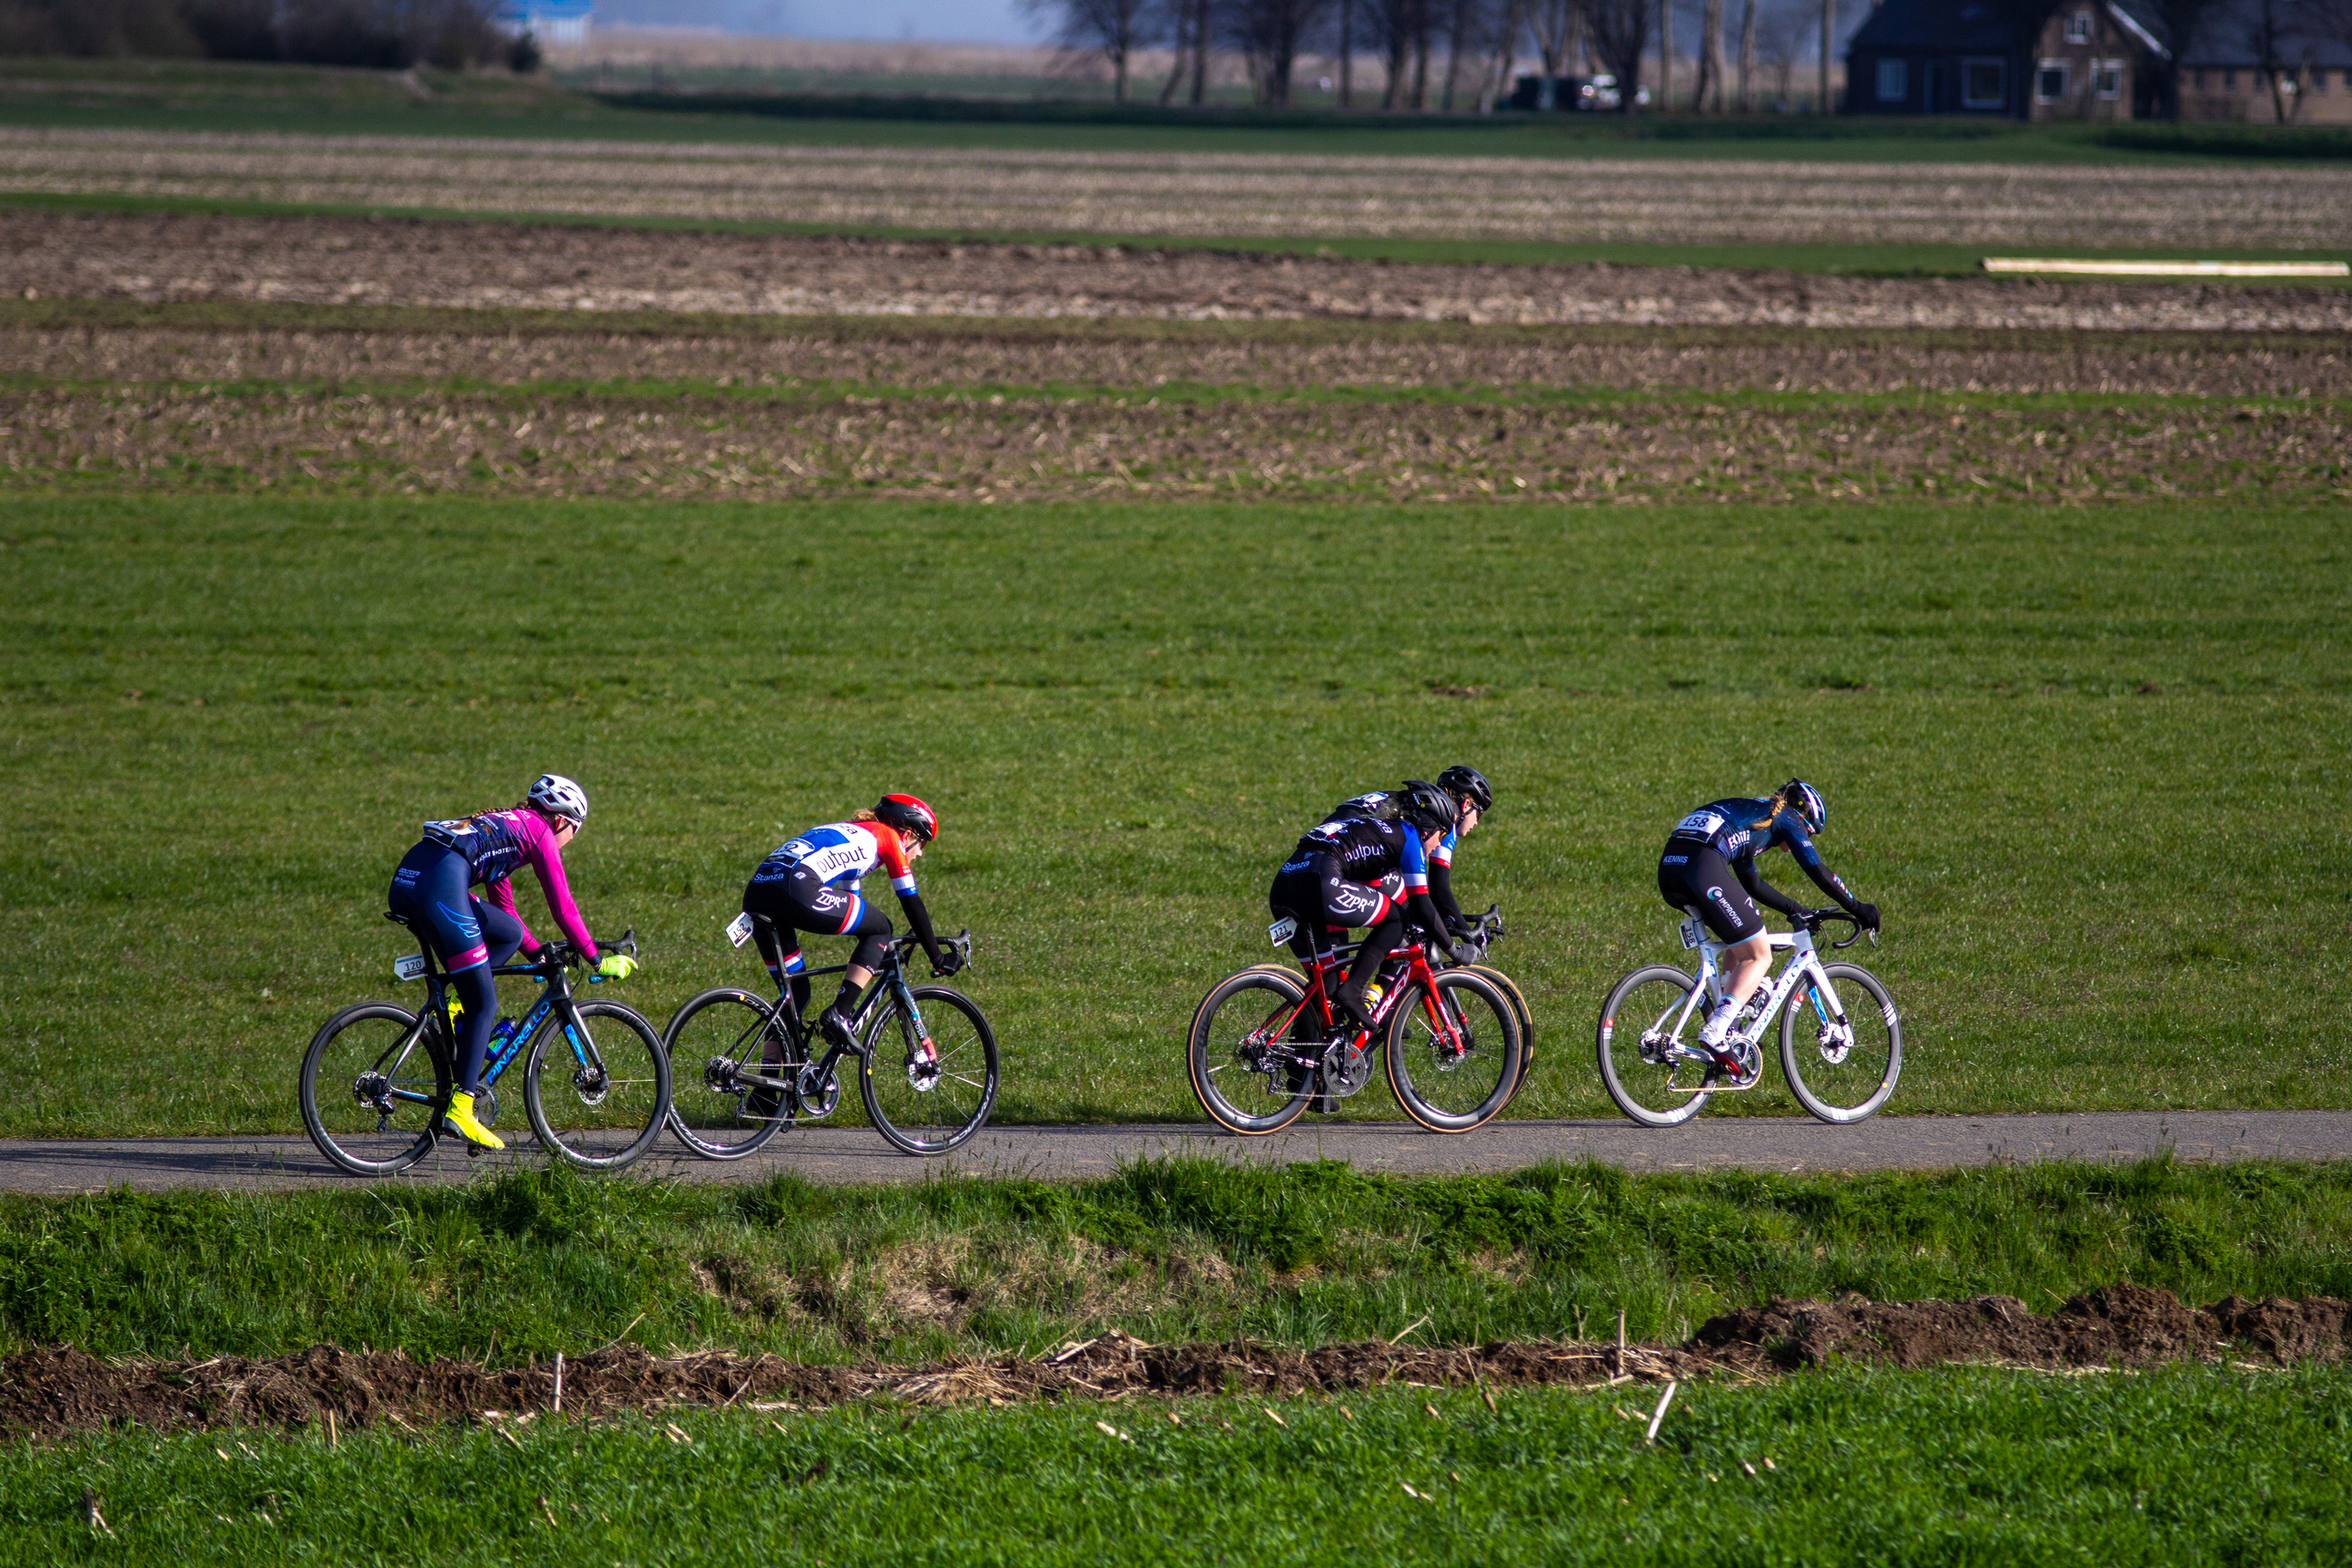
1709 866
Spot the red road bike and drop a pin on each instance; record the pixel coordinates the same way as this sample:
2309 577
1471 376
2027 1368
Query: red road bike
1265 1044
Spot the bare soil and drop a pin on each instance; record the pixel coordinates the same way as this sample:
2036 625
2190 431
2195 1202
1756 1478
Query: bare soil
1007 190
820 353
1038 446
52 1392
483 264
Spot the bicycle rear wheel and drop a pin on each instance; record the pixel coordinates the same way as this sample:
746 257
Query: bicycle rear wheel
1519 1015
1844 1057
1453 1055
371 1085
1237 1053
927 1102
711 1041
1640 1023
597 1090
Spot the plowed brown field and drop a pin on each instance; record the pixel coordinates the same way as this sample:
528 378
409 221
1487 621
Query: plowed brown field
1006 190
404 262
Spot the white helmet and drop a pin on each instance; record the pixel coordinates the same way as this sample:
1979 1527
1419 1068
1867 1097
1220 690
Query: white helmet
555 793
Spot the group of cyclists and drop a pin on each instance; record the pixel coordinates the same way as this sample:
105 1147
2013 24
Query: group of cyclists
1375 863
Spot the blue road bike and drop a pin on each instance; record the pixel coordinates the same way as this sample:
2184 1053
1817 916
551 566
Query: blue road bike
376 1080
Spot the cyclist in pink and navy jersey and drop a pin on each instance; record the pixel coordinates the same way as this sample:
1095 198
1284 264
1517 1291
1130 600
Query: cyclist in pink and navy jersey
810 883
430 890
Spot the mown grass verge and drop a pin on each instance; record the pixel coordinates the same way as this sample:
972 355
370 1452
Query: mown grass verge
515 1268
2178 1465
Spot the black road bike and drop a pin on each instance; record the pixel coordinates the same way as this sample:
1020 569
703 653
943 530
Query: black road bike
926 1057
377 1078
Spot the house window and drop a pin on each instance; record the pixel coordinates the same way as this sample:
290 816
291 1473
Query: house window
2107 79
1894 81
2228 78
2050 82
2319 82
2201 80
2078 27
1984 84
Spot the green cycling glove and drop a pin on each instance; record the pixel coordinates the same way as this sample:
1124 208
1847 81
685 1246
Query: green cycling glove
616 966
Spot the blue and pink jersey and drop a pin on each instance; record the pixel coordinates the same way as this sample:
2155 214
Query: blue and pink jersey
495 843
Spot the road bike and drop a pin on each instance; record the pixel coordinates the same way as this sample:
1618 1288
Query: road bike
752 1072
1264 1042
377 1078
1841 1040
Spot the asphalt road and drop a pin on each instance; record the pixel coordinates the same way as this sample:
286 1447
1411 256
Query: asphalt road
855 1154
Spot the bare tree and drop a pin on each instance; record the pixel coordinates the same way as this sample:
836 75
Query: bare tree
1507 49
1393 24
1620 31
1268 34
1558 26
1114 29
1829 45
1747 57
2268 26
1667 54
1710 60
1780 36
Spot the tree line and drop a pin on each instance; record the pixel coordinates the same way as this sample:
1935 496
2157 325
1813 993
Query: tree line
1443 54
383 34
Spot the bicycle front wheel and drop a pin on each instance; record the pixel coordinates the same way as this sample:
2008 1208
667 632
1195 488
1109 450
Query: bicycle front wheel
1519 1015
1240 1052
1843 1050
1647 1017
1453 1053
596 1086
371 1085
929 1079
711 1042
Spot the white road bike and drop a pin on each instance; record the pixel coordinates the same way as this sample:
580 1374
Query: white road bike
1840 1042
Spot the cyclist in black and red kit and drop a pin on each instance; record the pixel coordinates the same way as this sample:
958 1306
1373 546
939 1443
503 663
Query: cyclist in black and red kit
1365 870
1709 866
1473 799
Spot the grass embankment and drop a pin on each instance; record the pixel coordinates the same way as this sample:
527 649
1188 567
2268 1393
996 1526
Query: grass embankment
2176 1466
2073 754
1847 1468
509 1272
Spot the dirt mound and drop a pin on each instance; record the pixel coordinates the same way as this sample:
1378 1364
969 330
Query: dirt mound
57 1391
2114 1325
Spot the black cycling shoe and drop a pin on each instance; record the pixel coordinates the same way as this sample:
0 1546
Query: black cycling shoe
836 1028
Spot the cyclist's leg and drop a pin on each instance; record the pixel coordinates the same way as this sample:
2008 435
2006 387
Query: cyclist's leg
1351 904
1297 896
810 906
779 939
430 890
1692 876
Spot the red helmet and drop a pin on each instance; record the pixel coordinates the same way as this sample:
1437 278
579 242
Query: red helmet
904 811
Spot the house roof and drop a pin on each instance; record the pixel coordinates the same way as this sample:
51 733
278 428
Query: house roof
2225 36
1998 25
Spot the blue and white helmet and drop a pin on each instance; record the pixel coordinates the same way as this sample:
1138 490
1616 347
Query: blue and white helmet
558 797
1806 802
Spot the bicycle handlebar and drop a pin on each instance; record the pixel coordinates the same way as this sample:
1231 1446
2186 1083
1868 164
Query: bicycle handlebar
563 955
1853 920
960 941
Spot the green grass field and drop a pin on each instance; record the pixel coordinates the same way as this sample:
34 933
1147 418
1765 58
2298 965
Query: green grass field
2080 755
512 1270
1975 1465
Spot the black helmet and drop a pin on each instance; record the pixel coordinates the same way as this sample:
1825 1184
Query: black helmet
1468 784
1806 802
904 811
1429 807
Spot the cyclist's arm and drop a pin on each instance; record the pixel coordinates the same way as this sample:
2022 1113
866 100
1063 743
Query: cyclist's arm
1762 891
1441 882
902 882
501 896
1415 866
539 844
1823 878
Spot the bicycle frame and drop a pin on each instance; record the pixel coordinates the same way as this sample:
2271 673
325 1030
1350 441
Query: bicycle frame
1804 964
555 998
809 1080
1319 972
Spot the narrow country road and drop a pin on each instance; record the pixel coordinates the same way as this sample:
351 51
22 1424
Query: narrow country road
855 1154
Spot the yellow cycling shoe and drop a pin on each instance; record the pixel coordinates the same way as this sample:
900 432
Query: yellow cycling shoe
461 1117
